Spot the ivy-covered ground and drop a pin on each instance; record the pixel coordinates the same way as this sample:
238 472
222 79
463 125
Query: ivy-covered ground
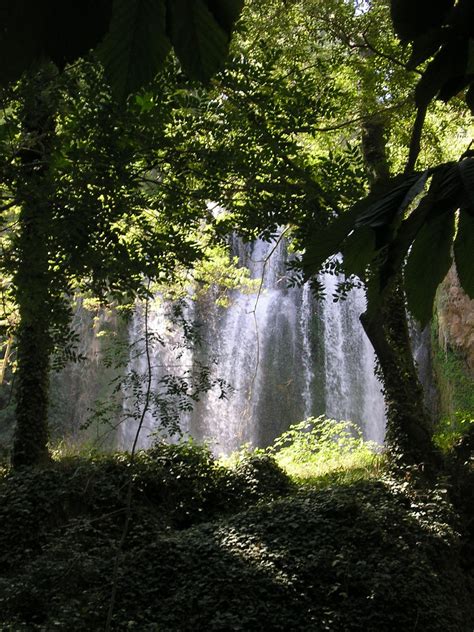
219 548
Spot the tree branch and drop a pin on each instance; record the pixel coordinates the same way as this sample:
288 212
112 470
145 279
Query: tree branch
415 141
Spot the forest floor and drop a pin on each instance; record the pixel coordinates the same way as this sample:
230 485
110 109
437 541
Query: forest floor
218 548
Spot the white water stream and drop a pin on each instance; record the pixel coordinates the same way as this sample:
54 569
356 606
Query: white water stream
286 356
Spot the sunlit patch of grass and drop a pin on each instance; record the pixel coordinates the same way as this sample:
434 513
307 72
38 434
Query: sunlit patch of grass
320 452
340 470
67 449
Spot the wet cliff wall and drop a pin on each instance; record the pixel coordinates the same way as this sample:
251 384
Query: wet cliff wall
453 351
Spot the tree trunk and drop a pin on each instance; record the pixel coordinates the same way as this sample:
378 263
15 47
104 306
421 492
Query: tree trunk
409 431
32 280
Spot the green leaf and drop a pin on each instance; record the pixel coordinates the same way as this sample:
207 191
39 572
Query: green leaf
466 169
383 211
428 263
449 185
199 40
226 12
374 211
444 73
358 251
445 195
424 47
464 251
327 241
452 87
136 45
412 18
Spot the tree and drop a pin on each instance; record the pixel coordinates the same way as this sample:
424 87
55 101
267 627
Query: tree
266 157
253 141
54 247
411 226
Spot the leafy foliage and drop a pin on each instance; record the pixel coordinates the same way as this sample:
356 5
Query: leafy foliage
451 430
367 556
428 263
406 222
113 210
456 395
134 35
136 46
320 439
438 29
321 451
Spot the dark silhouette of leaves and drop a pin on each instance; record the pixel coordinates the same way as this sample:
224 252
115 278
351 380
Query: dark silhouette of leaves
464 251
428 263
135 46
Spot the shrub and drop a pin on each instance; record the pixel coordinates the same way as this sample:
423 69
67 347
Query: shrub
318 446
348 558
256 476
451 429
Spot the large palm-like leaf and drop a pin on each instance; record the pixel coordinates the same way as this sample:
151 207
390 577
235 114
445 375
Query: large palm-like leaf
199 40
438 29
423 239
136 44
464 251
428 263
133 42
394 202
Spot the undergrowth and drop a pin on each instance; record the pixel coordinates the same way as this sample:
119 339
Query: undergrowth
450 430
214 547
321 451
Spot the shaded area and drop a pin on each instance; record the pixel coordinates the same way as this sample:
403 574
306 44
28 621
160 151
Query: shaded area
367 556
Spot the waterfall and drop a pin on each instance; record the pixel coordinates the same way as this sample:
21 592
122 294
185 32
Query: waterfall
422 355
306 315
352 388
286 355
157 348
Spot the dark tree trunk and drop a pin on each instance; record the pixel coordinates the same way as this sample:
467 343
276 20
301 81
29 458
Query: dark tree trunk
33 345
32 280
409 430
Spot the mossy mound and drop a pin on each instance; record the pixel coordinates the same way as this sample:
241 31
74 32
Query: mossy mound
211 548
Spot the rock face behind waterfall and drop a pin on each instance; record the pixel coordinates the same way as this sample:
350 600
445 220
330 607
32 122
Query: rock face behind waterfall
285 355
81 389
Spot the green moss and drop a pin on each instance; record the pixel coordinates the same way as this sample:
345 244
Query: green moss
456 393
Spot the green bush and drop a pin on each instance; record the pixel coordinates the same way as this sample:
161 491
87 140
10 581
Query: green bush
256 476
61 524
451 429
319 446
213 548
363 558
455 387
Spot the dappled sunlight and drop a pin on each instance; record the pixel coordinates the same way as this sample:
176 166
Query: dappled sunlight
321 451
339 470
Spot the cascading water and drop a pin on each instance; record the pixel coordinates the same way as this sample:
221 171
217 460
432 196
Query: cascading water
158 350
352 389
286 356
257 343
